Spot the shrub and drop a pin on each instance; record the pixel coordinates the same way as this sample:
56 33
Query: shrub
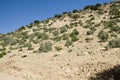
103 36
92 7
55 33
74 32
75 11
73 35
36 22
115 28
47 46
21 42
90 32
57 38
65 36
75 16
63 29
108 24
2 54
74 38
13 42
115 43
42 36
114 10
2 49
21 28
68 43
28 45
58 48
58 16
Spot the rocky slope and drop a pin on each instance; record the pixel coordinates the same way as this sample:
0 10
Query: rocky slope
70 46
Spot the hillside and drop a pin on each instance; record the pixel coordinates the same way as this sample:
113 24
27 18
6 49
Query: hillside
74 45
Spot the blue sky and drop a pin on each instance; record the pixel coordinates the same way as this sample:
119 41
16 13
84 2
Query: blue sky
17 13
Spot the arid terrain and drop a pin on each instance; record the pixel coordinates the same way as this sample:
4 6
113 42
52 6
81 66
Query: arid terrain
70 46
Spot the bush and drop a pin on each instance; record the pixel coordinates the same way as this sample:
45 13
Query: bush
115 43
2 49
92 7
114 10
36 22
55 33
47 46
41 36
65 36
74 38
63 29
73 35
75 11
2 54
103 36
58 16
13 42
115 28
57 38
58 48
90 32
68 43
75 16
21 28
108 24
74 32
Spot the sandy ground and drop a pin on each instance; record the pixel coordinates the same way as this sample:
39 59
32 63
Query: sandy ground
57 66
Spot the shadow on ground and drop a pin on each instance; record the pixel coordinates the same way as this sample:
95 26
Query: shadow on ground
110 74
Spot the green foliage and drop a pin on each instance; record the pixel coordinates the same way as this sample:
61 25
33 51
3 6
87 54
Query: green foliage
108 24
74 32
65 36
58 48
90 32
29 46
103 36
75 11
73 35
55 33
68 43
75 16
2 54
13 42
63 29
5 41
114 10
21 42
36 22
92 7
115 28
47 46
2 49
57 38
21 28
115 43
50 29
41 36
74 38
58 16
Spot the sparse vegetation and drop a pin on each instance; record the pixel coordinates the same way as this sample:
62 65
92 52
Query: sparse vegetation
103 36
40 32
2 54
58 48
68 43
45 47
115 43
